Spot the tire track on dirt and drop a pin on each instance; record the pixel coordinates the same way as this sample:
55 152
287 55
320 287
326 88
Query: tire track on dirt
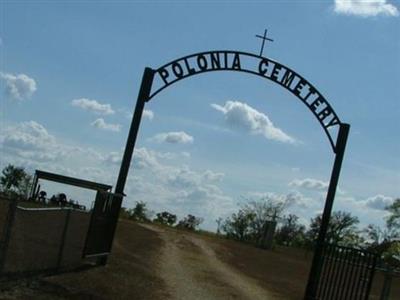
191 270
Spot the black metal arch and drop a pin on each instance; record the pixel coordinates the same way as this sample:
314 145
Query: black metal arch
228 60
232 61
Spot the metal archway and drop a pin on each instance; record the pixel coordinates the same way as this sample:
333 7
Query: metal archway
226 60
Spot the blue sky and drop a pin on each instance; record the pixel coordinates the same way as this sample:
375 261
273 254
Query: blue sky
70 74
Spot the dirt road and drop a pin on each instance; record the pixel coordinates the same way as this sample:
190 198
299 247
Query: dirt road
191 270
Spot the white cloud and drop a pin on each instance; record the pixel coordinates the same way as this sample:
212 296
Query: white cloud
379 202
184 178
293 200
213 176
310 183
101 124
95 174
174 155
160 179
179 189
31 141
93 106
32 146
369 210
28 135
18 87
147 113
114 157
243 116
185 154
299 200
365 8
173 137
143 158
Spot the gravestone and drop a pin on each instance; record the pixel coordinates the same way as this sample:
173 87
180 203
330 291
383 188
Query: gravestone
267 240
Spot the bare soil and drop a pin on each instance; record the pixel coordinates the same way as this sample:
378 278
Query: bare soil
283 270
192 270
155 262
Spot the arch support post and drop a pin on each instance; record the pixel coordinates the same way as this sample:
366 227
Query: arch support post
316 267
143 97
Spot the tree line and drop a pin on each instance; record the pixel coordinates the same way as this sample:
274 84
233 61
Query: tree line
251 221
248 225
141 213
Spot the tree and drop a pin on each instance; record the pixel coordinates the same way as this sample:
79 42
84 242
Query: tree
219 225
386 242
125 213
291 233
14 181
25 186
380 241
237 226
393 220
392 254
342 229
376 235
165 218
190 222
139 212
263 210
253 220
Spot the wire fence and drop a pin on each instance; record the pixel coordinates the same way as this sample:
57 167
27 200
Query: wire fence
40 239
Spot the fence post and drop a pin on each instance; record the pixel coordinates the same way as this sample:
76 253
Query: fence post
64 234
7 232
317 262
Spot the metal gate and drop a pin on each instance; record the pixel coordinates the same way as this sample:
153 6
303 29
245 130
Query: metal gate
346 273
103 223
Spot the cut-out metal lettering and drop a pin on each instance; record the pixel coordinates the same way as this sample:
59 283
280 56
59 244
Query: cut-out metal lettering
266 68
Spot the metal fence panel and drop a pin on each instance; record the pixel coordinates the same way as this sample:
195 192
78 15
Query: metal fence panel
102 224
346 273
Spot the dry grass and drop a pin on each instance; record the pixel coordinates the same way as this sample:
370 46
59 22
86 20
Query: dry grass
282 270
132 272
